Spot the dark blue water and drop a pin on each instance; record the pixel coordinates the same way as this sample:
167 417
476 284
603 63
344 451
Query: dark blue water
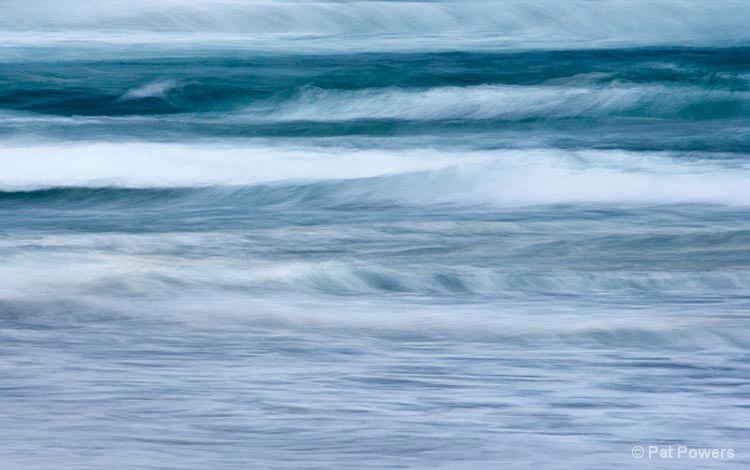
336 235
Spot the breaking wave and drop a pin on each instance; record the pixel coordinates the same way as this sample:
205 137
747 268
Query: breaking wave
336 176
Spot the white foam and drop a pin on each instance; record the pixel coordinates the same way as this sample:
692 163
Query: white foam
548 176
414 176
157 89
143 165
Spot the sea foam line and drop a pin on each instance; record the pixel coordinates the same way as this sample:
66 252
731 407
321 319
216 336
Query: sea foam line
410 176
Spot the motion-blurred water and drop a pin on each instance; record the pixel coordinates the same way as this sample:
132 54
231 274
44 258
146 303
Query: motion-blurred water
337 235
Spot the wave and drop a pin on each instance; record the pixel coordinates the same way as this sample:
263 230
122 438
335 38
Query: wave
99 284
508 102
564 98
90 269
438 24
340 176
143 264
145 165
660 327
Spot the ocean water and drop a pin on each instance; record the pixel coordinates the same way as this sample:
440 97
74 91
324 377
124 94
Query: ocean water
374 234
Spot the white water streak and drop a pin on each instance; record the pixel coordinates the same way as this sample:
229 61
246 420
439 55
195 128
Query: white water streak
503 177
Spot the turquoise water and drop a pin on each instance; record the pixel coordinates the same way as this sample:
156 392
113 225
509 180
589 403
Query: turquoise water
335 235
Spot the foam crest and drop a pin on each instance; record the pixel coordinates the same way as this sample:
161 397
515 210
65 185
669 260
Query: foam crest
506 102
422 177
149 165
555 177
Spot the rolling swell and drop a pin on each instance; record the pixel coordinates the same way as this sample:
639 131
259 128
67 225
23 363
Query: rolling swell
112 88
482 102
635 99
